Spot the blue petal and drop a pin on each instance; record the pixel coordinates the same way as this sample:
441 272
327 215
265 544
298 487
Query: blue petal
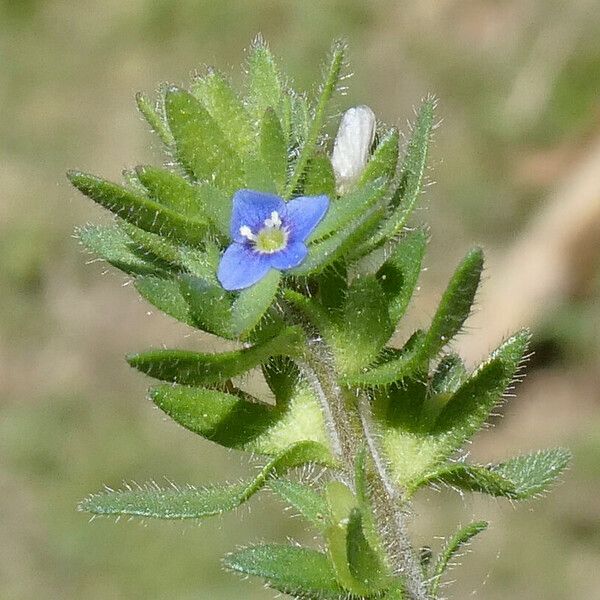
251 208
304 214
240 267
289 257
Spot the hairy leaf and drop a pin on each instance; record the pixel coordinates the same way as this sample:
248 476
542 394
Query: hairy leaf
319 179
264 81
165 294
453 545
189 502
155 119
309 503
384 160
294 570
201 147
273 148
140 211
226 108
115 247
195 368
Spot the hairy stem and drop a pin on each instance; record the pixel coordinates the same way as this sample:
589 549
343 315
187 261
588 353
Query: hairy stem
387 505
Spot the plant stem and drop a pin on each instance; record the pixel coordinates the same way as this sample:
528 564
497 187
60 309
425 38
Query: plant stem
387 505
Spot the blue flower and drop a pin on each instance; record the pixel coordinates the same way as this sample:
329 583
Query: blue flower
267 233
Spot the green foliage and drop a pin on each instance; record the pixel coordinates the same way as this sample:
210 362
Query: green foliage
383 421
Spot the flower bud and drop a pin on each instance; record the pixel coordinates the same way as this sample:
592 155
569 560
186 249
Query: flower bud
352 145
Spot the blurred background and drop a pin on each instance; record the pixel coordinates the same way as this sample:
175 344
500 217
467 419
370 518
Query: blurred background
516 166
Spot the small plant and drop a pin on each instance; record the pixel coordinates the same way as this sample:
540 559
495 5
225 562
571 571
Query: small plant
257 231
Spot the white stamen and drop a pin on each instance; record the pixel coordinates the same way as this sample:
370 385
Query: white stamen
246 232
274 221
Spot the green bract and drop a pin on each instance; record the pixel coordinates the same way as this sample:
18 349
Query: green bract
385 420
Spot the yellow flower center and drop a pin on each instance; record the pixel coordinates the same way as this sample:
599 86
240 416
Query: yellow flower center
271 238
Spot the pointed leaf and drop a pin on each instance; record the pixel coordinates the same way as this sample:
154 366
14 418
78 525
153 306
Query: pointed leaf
236 420
140 211
201 146
190 502
400 272
151 245
290 569
454 545
320 178
195 368
252 303
117 248
455 305
348 208
384 160
327 89
310 504
155 119
363 327
412 174
218 97
264 81
165 294
209 305
273 149
364 563
171 190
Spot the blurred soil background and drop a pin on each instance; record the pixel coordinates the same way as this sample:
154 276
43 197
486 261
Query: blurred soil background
516 164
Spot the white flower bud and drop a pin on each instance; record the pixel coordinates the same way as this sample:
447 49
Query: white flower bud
352 145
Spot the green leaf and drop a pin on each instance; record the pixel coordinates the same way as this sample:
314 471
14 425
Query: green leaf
320 178
412 174
293 570
165 294
151 245
364 563
217 206
209 305
236 420
195 368
449 375
470 406
189 502
201 147
273 148
454 545
393 365
171 190
330 250
252 303
264 82
415 443
348 208
384 160
218 97
360 332
310 504
117 248
455 305
140 211
327 89
399 274
155 119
